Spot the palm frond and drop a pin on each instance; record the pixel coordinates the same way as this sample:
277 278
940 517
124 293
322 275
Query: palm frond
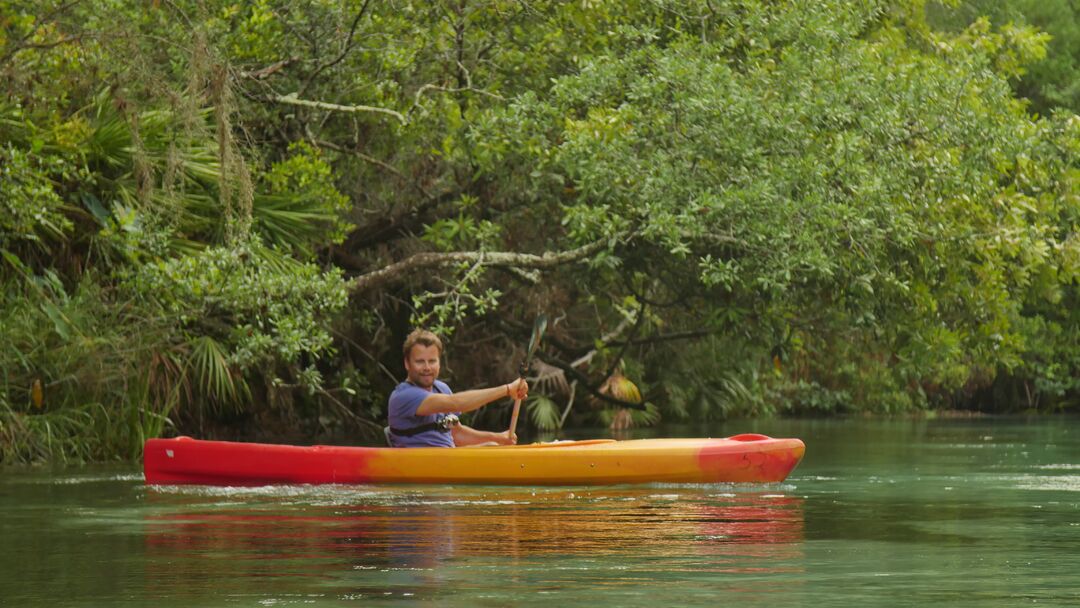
543 412
290 221
549 379
275 259
212 373
622 388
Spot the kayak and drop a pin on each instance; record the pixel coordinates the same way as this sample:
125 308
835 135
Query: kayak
747 458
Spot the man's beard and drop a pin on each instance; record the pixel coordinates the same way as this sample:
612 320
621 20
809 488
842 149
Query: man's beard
423 382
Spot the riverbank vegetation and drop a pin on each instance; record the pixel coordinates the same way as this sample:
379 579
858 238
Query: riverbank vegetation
221 218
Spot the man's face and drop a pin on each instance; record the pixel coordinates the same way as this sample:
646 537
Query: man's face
422 365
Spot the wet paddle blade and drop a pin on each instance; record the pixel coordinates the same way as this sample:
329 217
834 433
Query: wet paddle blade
534 342
539 327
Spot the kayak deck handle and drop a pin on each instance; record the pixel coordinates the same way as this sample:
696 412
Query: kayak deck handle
749 437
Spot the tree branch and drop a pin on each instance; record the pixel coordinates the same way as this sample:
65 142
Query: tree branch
47 17
345 48
422 261
292 99
270 70
368 159
397 225
467 87
626 344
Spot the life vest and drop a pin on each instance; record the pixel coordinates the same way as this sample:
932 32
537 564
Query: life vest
443 424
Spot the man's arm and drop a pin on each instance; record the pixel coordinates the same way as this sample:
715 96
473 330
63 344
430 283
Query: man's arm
466 436
467 401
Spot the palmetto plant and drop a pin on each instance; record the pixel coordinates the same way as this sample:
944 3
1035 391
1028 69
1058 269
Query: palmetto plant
143 190
169 171
208 368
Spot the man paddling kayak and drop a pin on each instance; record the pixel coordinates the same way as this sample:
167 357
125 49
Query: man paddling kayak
423 410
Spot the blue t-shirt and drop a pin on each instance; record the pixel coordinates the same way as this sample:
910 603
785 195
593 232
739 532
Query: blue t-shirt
403 403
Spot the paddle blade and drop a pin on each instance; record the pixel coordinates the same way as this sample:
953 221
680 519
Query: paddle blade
539 327
534 343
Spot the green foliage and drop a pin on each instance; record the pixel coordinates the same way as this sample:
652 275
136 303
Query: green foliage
883 189
1049 77
798 207
462 232
94 361
543 413
30 209
441 311
246 306
302 208
713 385
213 375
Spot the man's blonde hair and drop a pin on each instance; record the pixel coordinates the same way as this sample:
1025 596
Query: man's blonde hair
422 337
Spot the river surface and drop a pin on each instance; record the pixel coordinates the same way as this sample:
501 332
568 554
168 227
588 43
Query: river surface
957 512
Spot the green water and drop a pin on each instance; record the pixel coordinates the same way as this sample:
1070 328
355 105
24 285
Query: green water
978 512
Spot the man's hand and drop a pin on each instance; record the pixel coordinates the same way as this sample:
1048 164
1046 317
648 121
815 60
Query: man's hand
518 389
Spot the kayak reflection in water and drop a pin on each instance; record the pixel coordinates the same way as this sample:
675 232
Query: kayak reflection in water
423 411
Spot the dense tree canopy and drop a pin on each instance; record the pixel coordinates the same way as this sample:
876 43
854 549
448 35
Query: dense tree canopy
221 217
1052 28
